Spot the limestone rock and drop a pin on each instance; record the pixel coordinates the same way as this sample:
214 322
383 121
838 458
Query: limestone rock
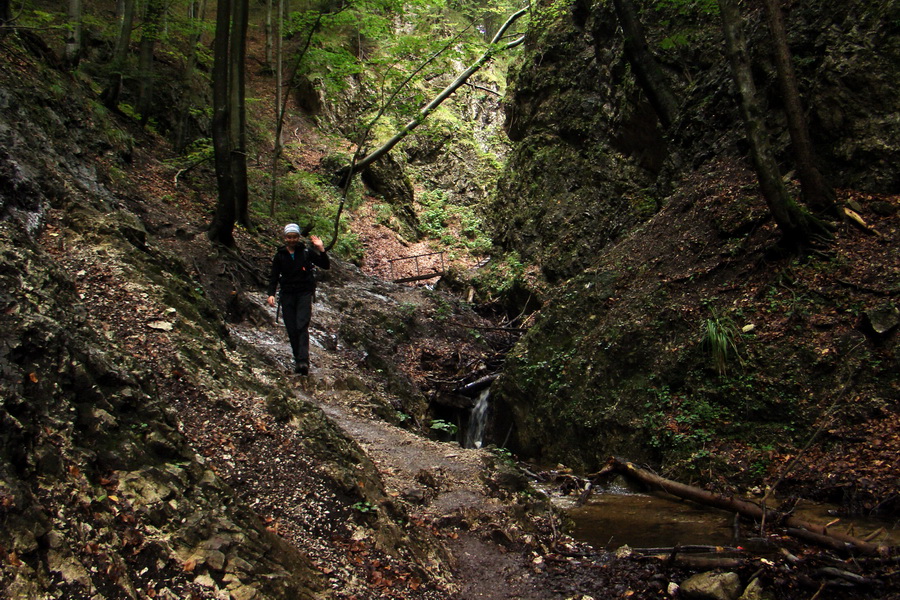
712 586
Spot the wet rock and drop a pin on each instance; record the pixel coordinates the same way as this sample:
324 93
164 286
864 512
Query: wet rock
755 591
72 571
507 478
883 319
415 495
712 586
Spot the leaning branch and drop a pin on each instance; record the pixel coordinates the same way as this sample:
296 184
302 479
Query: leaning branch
447 92
357 164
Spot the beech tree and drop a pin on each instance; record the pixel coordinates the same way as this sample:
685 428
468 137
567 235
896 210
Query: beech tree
113 90
647 71
229 121
816 193
72 51
797 224
149 36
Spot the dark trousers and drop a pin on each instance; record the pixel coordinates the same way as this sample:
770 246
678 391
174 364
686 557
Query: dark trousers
297 311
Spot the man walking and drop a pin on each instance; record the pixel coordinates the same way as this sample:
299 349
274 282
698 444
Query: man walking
293 269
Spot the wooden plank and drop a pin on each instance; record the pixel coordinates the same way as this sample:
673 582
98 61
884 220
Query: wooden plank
418 277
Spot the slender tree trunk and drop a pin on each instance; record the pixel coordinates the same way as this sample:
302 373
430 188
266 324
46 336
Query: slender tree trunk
73 35
279 111
5 12
221 229
196 15
151 34
649 74
237 99
110 95
816 193
796 225
269 33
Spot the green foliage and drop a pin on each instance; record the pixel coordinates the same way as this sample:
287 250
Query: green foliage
686 8
681 424
503 454
364 507
544 16
445 426
502 275
453 225
719 339
308 199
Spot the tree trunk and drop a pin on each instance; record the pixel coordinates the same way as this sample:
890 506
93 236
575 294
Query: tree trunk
73 36
745 508
221 229
269 33
149 37
229 121
649 74
816 193
796 225
238 60
279 110
110 95
5 14
196 15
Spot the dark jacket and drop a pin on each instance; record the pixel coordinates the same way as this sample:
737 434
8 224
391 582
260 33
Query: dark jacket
296 274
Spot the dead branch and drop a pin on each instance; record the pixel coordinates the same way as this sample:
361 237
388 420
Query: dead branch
836 540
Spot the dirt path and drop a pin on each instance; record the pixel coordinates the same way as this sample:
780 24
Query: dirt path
440 484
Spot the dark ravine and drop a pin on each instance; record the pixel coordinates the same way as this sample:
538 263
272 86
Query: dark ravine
148 449
642 236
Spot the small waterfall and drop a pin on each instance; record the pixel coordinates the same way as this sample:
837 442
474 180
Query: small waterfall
478 421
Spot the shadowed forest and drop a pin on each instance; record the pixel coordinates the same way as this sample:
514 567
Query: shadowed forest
611 313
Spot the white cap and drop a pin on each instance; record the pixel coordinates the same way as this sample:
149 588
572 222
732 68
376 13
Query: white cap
291 228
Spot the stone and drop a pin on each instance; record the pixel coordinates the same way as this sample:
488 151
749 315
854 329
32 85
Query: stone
883 319
754 591
712 586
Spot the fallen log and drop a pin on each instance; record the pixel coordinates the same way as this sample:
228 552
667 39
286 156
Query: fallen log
837 540
477 385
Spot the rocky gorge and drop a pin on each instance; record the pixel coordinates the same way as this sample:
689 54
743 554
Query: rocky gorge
155 445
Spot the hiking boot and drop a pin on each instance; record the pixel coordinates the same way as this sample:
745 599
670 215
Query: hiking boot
301 369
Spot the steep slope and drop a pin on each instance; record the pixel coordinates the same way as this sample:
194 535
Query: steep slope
147 451
623 355
590 158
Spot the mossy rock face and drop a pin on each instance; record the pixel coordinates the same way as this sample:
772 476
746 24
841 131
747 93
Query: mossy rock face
589 160
386 177
570 186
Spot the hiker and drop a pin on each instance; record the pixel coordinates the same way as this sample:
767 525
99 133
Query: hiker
293 268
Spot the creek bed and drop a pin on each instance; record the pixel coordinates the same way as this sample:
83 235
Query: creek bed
613 519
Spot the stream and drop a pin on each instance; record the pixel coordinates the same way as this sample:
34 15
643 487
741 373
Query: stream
617 517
